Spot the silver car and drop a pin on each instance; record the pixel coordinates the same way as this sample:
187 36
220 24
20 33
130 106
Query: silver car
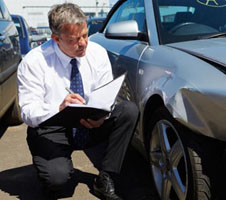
175 54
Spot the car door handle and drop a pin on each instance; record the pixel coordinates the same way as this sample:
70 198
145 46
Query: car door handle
2 37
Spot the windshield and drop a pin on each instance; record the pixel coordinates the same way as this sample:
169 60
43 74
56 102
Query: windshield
182 20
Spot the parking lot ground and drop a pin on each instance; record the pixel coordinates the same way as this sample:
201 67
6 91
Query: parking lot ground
18 178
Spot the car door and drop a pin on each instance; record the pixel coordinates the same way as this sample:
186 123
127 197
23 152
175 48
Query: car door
10 58
125 54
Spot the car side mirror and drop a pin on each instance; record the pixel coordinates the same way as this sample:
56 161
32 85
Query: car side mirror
123 30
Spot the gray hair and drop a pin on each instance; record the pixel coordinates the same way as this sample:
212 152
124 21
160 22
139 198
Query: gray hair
67 13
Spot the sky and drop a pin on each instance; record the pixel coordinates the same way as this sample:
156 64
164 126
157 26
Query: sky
112 1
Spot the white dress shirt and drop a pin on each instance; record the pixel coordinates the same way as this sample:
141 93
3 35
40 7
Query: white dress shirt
44 73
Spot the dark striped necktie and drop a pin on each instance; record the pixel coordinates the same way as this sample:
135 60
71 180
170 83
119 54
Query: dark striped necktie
80 135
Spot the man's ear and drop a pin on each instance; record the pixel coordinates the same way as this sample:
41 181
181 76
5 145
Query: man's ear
55 38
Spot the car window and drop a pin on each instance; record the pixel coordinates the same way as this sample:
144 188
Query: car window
17 23
27 26
1 15
4 11
170 13
130 10
94 25
173 15
182 20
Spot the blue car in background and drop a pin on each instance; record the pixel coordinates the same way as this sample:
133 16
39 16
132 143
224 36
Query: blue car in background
24 34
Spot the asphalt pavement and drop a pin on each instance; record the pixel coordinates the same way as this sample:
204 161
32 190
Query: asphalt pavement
18 179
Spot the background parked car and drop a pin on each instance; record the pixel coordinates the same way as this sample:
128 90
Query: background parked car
44 31
95 24
9 59
174 53
24 33
37 38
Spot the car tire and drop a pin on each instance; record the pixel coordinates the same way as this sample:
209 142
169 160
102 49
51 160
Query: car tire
12 116
181 163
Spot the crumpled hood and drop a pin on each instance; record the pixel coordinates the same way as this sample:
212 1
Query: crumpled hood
213 50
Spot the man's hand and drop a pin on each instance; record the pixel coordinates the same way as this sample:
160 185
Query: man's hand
71 99
89 123
77 99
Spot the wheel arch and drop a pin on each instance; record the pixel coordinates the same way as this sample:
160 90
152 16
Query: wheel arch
152 104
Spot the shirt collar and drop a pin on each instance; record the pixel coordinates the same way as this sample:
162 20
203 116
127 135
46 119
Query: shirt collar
64 59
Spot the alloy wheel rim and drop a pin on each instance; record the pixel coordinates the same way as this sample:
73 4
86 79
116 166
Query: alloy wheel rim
168 161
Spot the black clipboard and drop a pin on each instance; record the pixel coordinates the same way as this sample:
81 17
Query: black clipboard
73 113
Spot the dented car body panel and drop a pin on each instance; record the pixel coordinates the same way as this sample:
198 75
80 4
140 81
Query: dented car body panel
195 94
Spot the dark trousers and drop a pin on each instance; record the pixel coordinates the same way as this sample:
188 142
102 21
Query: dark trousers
51 147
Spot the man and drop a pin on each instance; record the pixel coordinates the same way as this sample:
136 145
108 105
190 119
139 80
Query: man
43 75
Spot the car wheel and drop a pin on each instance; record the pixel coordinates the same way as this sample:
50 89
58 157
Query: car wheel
12 116
179 165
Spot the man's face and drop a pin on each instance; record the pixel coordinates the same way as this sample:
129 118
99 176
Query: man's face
73 39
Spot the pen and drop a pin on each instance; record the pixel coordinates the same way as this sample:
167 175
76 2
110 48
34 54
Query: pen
69 90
